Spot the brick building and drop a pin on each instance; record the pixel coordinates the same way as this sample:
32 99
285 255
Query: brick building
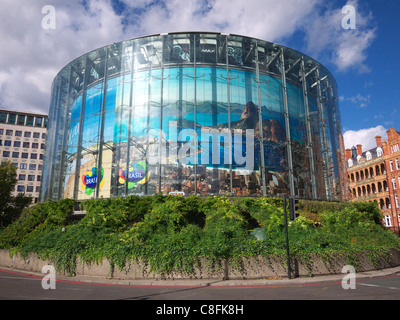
23 142
374 175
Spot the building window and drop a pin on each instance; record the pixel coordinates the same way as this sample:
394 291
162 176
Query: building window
3 117
21 120
25 145
6 154
9 132
38 121
379 151
27 134
29 189
38 178
388 221
31 177
391 165
35 145
32 166
368 155
397 163
24 155
33 155
21 177
350 163
17 144
20 188
7 143
36 135
11 118
15 154
18 133
394 183
29 121
396 199
23 166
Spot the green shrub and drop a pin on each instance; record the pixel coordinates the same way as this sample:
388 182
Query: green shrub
172 232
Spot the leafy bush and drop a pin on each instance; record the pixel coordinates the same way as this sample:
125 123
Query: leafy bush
172 232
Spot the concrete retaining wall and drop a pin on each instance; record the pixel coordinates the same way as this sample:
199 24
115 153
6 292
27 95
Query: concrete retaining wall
247 268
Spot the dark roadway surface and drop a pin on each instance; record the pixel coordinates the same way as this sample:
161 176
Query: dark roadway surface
19 285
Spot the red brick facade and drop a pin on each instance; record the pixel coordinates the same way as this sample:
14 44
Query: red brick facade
374 175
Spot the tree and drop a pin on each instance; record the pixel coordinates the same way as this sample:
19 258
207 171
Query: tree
10 207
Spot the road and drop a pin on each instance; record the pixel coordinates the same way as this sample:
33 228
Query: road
15 285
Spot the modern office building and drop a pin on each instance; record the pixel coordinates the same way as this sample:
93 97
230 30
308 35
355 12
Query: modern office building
23 142
194 113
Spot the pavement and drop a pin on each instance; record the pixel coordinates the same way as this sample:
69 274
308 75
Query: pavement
274 281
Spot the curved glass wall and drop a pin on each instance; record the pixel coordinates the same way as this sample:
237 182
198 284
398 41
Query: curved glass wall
194 113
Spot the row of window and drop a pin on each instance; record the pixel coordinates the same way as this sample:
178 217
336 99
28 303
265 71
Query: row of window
17 144
31 177
23 120
28 188
24 155
394 148
396 163
18 133
368 173
32 166
370 189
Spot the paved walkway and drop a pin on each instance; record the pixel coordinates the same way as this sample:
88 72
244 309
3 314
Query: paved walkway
277 281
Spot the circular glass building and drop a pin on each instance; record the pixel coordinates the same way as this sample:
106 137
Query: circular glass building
194 113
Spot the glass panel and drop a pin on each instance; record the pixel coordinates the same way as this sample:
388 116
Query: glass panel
246 178
177 49
212 117
178 114
274 135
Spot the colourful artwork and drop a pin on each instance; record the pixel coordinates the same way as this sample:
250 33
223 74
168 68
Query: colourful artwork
89 180
138 174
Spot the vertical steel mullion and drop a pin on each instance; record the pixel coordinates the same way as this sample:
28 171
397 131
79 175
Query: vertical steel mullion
309 135
116 161
229 111
286 112
65 142
128 141
161 116
195 114
103 114
80 136
146 185
261 138
324 138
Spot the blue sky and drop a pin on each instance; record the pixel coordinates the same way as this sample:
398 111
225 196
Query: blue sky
362 60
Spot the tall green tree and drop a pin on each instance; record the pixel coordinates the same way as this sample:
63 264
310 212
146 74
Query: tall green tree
10 207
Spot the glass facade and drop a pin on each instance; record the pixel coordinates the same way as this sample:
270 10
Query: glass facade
194 113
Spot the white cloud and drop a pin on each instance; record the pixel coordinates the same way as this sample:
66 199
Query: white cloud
32 56
365 137
345 48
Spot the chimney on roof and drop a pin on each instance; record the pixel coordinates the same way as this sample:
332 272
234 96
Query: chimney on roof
378 141
359 150
348 154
